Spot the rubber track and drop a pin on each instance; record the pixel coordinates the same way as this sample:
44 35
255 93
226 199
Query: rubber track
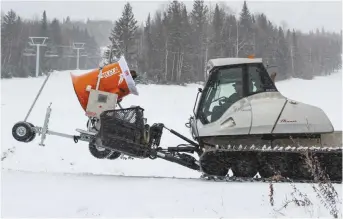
264 180
269 148
286 149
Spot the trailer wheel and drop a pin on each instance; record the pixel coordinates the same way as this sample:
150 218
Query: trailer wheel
114 155
99 152
23 132
34 133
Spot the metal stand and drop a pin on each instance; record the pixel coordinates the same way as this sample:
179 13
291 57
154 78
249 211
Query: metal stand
44 130
84 135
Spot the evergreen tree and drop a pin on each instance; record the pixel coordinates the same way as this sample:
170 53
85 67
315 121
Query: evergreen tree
296 58
122 36
158 48
185 64
147 47
282 55
217 33
7 36
245 17
44 22
245 38
10 45
199 46
228 36
44 66
174 39
56 35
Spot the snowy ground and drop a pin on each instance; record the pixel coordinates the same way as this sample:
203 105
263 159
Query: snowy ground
35 182
67 195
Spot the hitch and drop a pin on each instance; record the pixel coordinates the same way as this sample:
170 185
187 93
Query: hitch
182 149
183 159
182 137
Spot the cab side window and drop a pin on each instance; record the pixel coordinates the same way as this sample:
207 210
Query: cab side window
259 80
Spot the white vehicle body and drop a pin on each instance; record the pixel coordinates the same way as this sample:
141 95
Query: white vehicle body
259 113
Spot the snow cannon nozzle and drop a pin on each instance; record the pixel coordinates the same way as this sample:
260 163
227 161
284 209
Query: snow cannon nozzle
114 78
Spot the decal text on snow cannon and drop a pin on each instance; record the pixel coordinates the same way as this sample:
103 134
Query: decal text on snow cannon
110 72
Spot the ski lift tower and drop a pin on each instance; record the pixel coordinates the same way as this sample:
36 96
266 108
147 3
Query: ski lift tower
38 42
78 46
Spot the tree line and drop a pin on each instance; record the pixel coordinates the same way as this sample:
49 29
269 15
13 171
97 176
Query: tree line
18 55
173 45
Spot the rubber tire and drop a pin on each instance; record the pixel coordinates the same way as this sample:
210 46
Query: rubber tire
114 155
34 133
99 154
29 132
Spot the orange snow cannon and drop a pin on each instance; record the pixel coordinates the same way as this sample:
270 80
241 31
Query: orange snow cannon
114 78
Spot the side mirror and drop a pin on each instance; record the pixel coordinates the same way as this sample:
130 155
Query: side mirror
196 100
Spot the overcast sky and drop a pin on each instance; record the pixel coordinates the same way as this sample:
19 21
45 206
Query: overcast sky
303 15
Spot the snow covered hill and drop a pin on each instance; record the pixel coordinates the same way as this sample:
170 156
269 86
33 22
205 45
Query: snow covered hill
35 180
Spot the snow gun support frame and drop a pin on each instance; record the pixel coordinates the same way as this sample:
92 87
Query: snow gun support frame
144 143
24 131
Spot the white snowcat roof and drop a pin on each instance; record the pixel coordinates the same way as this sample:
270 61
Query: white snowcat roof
230 61
233 61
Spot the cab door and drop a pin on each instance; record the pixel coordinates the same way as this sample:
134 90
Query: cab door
223 108
266 102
